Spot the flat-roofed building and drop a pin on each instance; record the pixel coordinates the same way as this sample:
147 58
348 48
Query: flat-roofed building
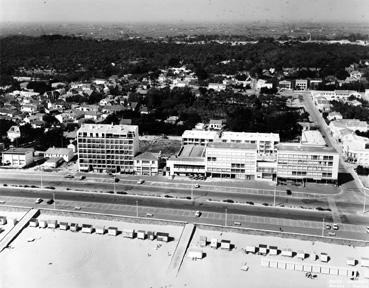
18 157
356 149
312 138
199 137
265 142
147 163
347 124
190 160
285 84
231 160
307 163
105 147
301 84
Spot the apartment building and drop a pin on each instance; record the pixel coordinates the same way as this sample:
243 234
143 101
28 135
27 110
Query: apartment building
307 163
231 160
105 147
337 127
199 137
265 142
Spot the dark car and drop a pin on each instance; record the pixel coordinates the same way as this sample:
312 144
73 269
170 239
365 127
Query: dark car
50 201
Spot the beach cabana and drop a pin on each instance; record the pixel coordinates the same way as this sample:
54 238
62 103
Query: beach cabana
100 230
74 227
113 231
33 222
141 234
128 233
52 224
63 225
203 241
87 228
214 243
3 220
150 235
225 244
195 254
162 236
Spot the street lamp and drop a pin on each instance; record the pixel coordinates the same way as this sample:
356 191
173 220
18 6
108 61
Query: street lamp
274 195
54 200
225 220
323 228
136 208
41 177
364 208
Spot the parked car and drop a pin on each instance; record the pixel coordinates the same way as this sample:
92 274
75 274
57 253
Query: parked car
335 227
197 185
69 176
328 227
77 208
83 177
149 215
140 181
367 229
38 201
197 213
50 201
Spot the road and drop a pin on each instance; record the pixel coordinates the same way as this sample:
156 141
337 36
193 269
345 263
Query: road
183 190
288 220
353 187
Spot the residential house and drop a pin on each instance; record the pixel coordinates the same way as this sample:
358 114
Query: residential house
65 153
18 157
147 163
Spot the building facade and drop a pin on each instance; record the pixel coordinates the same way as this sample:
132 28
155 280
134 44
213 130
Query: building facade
65 153
107 148
18 157
147 163
231 160
306 163
199 137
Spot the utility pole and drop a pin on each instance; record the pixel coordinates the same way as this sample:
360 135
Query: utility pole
192 192
323 228
136 208
54 200
364 208
275 192
41 178
225 220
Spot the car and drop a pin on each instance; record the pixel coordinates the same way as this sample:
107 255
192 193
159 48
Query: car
335 227
2 202
50 201
83 177
197 185
140 181
331 233
367 229
69 176
50 187
236 223
149 215
197 214
116 179
228 201
328 227
77 208
38 201
250 202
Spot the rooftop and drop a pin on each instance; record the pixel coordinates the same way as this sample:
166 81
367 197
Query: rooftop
297 147
250 136
19 151
233 145
108 128
148 156
58 151
312 137
200 134
191 151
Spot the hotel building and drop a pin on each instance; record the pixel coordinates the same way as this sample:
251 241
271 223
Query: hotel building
307 163
107 148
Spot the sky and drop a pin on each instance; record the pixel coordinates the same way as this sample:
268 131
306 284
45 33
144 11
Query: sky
184 10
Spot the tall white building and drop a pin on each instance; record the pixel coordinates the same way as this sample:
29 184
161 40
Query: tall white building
356 149
105 147
307 163
231 160
265 142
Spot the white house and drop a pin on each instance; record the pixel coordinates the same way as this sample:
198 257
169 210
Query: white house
334 116
217 86
65 153
18 157
14 133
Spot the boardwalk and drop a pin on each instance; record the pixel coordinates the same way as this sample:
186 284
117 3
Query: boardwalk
13 233
179 253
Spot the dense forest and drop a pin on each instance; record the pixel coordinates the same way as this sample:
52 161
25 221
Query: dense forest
76 58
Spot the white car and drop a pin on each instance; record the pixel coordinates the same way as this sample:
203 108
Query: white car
197 185
367 229
141 181
335 227
197 214
38 201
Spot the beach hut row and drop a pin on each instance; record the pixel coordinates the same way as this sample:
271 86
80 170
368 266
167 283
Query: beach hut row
214 243
309 268
101 230
3 220
264 250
